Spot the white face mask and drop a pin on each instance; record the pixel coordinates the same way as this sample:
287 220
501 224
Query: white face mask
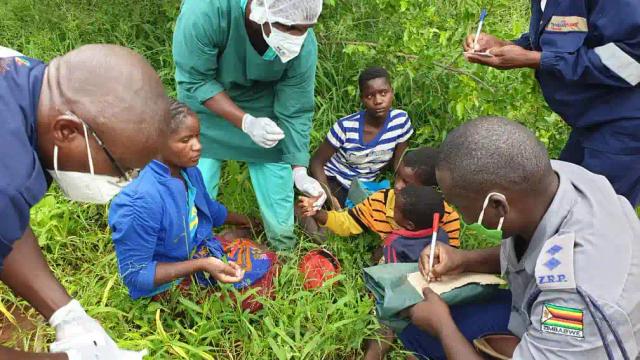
287 46
86 187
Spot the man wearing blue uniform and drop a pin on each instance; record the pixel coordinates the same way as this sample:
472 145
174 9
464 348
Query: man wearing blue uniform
84 120
587 59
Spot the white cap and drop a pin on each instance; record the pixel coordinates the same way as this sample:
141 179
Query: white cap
286 12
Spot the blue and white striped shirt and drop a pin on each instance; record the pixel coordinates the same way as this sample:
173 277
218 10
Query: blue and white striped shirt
354 158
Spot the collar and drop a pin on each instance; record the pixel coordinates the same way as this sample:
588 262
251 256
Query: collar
158 167
37 80
557 212
413 234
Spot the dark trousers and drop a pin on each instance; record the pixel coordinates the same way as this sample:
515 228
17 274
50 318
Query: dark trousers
622 170
473 320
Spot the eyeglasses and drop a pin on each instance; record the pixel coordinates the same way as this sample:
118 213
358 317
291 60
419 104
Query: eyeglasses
124 175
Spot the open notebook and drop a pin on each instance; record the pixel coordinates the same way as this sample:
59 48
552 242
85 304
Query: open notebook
450 282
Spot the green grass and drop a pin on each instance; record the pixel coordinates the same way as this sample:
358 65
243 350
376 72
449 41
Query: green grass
418 41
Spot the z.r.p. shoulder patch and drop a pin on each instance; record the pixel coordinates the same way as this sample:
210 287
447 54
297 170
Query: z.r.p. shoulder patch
562 320
554 266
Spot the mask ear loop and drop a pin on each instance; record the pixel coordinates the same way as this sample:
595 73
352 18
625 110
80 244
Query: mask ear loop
55 159
267 16
484 206
86 140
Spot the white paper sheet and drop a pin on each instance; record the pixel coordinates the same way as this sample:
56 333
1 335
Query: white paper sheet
450 282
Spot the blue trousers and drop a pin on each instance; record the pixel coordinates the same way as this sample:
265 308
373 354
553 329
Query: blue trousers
473 320
622 170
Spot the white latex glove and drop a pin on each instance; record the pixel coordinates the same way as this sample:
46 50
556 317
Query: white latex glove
263 131
82 337
309 186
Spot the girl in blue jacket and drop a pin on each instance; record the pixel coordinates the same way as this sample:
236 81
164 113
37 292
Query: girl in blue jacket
162 222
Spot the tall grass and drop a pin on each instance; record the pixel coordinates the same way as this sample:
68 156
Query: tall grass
418 41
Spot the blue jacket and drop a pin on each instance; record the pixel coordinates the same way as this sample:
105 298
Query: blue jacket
149 224
590 68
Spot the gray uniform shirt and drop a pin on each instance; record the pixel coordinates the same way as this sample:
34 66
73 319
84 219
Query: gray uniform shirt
587 246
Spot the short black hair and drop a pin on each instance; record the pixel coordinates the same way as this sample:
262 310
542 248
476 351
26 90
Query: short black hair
370 73
423 161
419 203
179 113
491 153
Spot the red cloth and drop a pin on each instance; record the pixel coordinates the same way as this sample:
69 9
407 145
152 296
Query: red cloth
318 266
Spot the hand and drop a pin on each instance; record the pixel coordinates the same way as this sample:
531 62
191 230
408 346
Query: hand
256 225
309 186
251 223
82 337
447 260
263 131
224 272
306 205
85 347
485 42
431 314
335 203
507 57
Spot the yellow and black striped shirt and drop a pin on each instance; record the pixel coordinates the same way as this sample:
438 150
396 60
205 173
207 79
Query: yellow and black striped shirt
376 213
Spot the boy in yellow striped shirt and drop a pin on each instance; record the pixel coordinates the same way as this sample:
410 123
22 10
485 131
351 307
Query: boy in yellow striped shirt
376 213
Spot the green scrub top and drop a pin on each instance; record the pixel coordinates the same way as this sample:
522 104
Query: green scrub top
212 53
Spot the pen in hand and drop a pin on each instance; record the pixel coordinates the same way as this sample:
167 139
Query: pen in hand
483 14
432 252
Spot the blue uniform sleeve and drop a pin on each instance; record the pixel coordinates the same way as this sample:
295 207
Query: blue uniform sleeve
14 218
523 41
22 182
135 226
616 63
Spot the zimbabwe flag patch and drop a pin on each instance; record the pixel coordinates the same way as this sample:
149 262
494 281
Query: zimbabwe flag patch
562 320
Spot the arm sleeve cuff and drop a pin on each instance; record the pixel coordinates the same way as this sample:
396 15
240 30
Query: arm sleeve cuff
548 61
146 276
208 90
523 41
341 223
5 249
221 217
297 159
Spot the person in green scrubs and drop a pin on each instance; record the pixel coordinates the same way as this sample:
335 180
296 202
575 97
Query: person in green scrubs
247 68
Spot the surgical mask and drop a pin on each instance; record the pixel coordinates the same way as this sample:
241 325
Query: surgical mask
481 230
287 46
87 187
282 44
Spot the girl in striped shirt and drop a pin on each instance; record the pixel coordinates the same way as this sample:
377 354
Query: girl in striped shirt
361 145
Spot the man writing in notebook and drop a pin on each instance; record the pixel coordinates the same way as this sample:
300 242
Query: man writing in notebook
571 252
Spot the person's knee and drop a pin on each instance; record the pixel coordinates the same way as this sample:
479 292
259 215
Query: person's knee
416 314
